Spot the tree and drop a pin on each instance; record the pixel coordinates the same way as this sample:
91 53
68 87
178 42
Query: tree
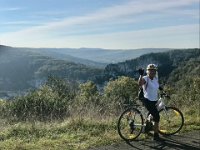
121 91
88 94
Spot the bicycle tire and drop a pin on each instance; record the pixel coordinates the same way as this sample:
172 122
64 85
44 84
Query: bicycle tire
130 124
171 121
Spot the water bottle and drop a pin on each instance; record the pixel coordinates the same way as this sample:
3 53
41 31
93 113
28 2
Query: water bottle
160 104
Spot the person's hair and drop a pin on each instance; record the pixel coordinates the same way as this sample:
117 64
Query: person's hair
155 75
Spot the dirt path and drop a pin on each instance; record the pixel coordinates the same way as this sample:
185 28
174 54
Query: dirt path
184 141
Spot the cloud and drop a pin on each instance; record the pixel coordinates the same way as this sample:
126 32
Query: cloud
118 11
183 36
25 22
140 7
131 12
10 9
173 36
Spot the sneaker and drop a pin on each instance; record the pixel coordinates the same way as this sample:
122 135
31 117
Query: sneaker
148 127
156 137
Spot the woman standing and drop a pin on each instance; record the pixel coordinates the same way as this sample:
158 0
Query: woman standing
150 86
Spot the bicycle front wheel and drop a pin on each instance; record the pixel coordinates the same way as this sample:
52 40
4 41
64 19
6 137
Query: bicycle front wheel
171 121
130 124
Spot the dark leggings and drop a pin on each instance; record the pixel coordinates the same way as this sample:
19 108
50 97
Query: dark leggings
151 107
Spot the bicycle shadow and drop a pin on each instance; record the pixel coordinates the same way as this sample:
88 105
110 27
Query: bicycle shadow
171 142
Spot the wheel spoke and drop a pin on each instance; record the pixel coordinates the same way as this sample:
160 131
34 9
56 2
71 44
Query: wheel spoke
171 121
130 124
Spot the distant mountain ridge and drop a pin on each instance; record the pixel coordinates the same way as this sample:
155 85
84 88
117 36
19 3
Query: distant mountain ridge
67 57
104 56
94 56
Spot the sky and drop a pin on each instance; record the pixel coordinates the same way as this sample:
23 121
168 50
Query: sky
108 24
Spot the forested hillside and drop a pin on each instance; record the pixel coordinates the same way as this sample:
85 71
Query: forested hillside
190 68
22 70
170 65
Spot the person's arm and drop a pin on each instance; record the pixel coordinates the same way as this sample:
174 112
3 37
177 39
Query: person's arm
141 80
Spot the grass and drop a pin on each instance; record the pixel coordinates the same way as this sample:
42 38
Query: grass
192 118
75 133
71 134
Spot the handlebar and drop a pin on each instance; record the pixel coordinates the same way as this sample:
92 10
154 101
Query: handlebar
163 94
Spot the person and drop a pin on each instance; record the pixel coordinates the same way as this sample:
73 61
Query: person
150 86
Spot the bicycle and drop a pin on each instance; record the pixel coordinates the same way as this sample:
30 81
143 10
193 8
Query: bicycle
131 122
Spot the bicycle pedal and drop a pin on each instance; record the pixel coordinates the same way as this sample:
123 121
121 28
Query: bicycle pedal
148 127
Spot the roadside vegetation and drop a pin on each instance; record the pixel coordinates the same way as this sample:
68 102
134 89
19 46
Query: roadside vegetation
72 116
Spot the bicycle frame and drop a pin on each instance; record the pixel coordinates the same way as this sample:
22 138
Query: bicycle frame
132 121
160 106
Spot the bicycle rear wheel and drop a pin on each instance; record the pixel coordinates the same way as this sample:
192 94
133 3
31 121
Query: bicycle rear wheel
171 121
130 124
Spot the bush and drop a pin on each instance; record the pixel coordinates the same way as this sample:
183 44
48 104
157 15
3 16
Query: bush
46 103
88 100
120 91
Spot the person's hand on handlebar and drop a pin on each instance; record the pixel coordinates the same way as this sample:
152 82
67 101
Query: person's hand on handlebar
161 88
164 94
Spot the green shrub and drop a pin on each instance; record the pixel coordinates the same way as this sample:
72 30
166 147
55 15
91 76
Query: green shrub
42 104
120 91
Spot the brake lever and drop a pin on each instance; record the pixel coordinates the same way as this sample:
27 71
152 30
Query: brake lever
165 95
